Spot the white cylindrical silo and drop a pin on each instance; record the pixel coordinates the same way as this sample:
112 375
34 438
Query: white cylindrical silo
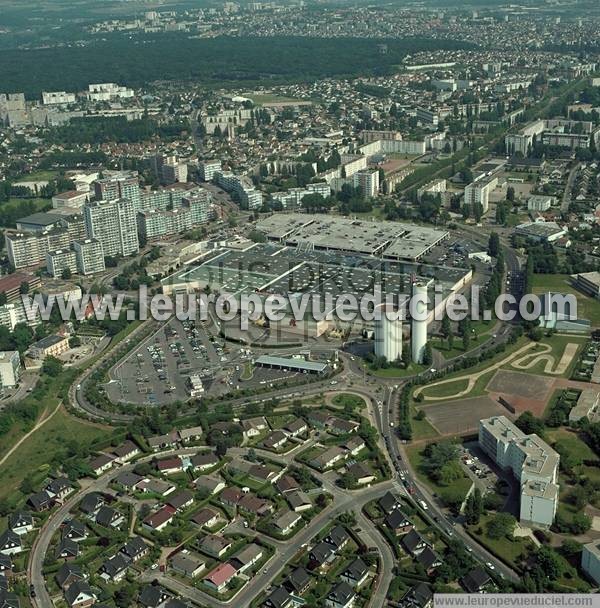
418 335
388 333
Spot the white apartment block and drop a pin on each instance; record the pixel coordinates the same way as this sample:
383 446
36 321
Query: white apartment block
60 260
107 91
155 199
208 168
293 197
114 224
57 98
368 182
479 192
90 256
531 460
125 185
540 202
10 368
153 224
30 248
436 186
199 206
73 199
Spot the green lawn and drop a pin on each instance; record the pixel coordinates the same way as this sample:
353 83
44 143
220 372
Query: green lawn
396 372
445 390
265 98
587 307
349 400
558 344
460 486
32 456
570 441
508 550
421 429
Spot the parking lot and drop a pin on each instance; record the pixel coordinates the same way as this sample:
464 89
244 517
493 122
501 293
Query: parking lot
158 370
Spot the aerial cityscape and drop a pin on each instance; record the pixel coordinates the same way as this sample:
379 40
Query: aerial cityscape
299 303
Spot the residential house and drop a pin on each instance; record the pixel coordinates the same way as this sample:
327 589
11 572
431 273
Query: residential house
398 523
295 428
163 442
218 578
206 517
413 543
388 503
419 596
286 522
264 473
354 445
40 501
298 581
109 518
126 451
257 506
159 520
113 570
279 598
156 486
429 560
20 522
6 565
67 549
181 501
102 463
356 573
190 435
60 488
75 530
341 596
91 503
321 555
188 564
128 480
204 462
339 426
475 581
318 419
361 473
214 545
230 496
153 596
338 537
252 427
287 483
298 501
80 595
213 485
246 558
10 543
169 466
327 459
275 440
68 574
135 549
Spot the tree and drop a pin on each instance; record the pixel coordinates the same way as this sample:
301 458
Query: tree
510 193
52 366
436 456
474 507
24 288
427 354
501 525
494 244
445 326
66 274
529 424
466 340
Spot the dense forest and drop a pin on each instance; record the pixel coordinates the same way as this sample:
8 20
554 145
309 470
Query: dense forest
210 61
118 129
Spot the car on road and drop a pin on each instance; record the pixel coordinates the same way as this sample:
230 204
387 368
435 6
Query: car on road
490 565
423 505
31 591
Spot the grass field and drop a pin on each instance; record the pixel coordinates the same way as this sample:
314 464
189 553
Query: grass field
445 390
37 176
460 486
508 550
421 429
557 343
32 456
396 372
587 307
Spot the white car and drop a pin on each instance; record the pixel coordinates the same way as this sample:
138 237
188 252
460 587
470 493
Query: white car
423 505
